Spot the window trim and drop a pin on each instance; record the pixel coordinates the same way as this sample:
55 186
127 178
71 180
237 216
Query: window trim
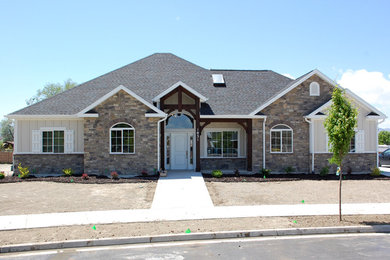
208 130
281 130
314 89
51 129
121 129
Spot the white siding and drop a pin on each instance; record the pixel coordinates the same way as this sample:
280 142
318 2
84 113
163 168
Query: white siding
26 127
242 137
366 126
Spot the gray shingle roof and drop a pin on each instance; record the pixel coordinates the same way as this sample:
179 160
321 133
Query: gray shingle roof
148 77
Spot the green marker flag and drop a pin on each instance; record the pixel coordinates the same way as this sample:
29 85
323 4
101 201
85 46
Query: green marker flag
303 201
188 231
295 222
94 227
264 177
19 175
71 180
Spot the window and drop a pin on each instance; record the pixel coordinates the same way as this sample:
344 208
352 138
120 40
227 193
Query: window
122 138
222 144
314 89
53 141
281 139
180 121
352 145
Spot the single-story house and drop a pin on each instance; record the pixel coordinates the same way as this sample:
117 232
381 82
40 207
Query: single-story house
163 112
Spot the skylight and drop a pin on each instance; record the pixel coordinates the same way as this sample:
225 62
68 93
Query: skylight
218 79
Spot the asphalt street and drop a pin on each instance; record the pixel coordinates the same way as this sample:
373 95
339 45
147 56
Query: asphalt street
352 246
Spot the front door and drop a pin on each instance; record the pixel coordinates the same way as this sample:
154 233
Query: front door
179 151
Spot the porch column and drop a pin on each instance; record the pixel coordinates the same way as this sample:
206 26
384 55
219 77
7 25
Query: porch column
197 120
162 139
249 145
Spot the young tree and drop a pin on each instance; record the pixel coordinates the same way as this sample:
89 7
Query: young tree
51 89
340 125
384 137
7 130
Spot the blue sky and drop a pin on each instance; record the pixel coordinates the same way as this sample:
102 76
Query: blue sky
51 41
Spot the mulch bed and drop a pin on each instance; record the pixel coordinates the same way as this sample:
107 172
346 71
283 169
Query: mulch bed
287 177
79 179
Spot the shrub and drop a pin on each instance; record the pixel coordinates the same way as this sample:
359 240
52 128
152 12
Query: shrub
114 175
324 171
265 172
289 169
217 174
236 172
85 176
2 175
24 172
68 172
375 172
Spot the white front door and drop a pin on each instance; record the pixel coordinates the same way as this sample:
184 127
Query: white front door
179 151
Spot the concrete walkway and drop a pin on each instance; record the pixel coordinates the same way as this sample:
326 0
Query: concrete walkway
181 190
146 215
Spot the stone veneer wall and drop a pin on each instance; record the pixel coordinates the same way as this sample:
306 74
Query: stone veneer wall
358 162
257 145
223 163
121 107
50 163
290 109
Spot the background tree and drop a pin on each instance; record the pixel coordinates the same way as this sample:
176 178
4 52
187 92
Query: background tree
384 137
49 90
340 125
7 130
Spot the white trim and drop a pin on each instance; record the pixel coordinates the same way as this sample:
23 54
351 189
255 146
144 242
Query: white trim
233 116
281 139
153 115
53 128
315 89
239 157
50 153
208 130
121 129
365 104
176 85
320 109
16 137
89 115
113 92
44 117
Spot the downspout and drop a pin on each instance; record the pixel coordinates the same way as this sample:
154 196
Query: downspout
158 141
311 142
265 119
377 150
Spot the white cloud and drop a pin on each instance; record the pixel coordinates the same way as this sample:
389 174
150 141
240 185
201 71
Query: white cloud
288 76
372 86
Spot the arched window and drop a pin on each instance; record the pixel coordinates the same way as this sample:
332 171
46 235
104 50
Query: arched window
122 138
314 89
180 121
281 139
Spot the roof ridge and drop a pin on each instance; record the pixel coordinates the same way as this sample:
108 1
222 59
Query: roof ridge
238 70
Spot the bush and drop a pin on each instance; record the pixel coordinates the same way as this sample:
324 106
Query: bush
324 171
236 172
217 174
114 175
2 175
289 169
24 172
68 172
85 176
265 172
375 172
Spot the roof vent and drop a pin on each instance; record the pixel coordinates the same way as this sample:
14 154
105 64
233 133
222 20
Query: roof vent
218 80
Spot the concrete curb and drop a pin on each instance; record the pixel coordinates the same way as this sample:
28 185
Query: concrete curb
195 236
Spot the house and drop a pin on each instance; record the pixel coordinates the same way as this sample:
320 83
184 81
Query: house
163 112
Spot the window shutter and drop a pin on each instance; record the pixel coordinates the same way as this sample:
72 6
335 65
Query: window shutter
359 141
36 141
69 140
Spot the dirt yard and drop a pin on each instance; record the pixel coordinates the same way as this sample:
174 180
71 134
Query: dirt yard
45 197
179 227
293 192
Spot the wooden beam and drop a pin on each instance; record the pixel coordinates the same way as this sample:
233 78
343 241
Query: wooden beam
162 139
186 107
198 133
168 95
249 145
180 99
203 126
234 120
